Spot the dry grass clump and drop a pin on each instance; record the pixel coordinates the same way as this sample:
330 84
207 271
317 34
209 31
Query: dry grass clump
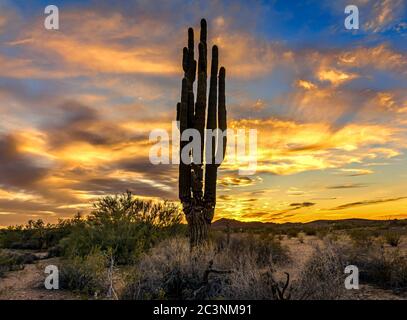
322 277
242 270
392 238
384 268
361 238
264 250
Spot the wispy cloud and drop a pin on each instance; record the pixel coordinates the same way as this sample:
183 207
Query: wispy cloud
348 186
355 172
366 203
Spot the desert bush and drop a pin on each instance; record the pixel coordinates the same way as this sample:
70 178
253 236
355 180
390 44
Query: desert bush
392 238
310 231
168 271
280 237
376 233
171 271
322 277
127 225
379 267
35 235
292 233
361 237
265 250
9 262
322 233
332 237
85 275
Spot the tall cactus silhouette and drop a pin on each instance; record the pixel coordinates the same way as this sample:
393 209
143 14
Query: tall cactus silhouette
198 197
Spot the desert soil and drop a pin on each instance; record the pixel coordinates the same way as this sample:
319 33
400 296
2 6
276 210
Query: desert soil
28 284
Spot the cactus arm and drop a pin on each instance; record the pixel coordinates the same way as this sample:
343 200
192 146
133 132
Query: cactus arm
184 169
211 168
222 117
200 111
211 122
186 116
190 75
178 110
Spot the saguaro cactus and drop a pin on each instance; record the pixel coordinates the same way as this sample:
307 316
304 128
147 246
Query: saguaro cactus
198 204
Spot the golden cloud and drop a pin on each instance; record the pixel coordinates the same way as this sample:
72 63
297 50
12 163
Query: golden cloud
287 147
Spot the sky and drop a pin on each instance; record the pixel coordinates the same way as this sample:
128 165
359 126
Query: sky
77 105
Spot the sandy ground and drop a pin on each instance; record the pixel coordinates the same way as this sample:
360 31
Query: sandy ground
28 284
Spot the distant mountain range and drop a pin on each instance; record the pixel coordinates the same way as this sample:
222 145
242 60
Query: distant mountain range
346 223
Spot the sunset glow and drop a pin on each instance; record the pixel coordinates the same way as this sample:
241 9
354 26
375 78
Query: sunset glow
78 104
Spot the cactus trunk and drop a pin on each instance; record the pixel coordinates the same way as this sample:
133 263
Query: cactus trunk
198 204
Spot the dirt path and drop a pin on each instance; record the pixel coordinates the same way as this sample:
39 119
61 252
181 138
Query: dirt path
28 284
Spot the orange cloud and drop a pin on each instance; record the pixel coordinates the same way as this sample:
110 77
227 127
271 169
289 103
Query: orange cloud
335 76
287 147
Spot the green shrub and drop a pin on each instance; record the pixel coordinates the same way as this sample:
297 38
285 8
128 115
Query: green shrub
292 233
392 238
361 238
265 249
85 275
322 233
124 224
322 277
10 262
310 231
35 235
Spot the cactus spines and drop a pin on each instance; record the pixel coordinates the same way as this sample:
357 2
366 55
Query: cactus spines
198 204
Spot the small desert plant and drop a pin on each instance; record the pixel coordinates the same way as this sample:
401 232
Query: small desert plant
85 275
361 238
392 238
323 275
322 233
332 237
265 249
9 262
292 233
280 237
310 231
169 271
